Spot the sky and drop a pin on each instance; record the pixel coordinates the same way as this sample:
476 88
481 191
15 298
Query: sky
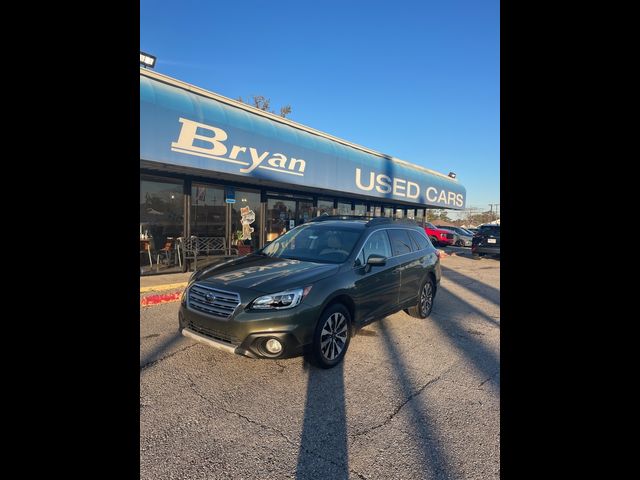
417 80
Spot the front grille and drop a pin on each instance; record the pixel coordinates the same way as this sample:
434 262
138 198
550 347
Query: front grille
211 301
211 333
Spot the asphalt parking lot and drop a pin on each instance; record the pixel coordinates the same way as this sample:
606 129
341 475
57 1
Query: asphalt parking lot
413 398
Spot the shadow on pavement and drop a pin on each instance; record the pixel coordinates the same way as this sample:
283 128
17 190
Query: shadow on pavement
434 459
323 444
164 346
472 284
447 318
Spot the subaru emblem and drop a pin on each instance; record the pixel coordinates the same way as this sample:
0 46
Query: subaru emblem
210 297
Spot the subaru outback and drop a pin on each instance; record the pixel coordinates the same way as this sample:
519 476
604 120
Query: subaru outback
311 289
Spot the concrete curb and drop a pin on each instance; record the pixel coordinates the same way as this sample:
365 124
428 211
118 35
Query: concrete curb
160 288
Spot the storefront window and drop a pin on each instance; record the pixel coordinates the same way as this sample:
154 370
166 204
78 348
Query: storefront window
361 210
306 211
399 213
207 211
388 211
411 213
344 208
325 207
161 223
280 217
420 216
377 211
245 222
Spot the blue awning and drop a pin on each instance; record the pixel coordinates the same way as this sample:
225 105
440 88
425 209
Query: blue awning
184 126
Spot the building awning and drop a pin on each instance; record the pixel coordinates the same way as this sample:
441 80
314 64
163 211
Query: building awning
194 130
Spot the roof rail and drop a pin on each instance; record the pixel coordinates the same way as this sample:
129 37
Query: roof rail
370 221
381 220
324 218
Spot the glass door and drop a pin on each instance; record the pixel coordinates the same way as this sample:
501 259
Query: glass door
305 212
281 217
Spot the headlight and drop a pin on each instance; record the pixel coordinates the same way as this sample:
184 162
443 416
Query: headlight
280 300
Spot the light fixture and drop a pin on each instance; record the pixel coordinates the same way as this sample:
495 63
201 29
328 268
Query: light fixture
147 60
452 175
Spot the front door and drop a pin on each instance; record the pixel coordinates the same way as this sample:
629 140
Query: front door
376 286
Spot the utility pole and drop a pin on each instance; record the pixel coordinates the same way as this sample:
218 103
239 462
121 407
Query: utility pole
491 205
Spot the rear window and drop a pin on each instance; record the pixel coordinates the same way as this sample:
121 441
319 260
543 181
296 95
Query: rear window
420 239
490 229
400 241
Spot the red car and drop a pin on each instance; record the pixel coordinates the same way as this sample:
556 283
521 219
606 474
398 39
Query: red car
440 236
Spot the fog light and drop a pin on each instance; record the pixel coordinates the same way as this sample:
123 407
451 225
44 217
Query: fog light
273 346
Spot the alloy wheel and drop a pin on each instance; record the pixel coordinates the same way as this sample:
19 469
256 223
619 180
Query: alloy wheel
333 336
426 298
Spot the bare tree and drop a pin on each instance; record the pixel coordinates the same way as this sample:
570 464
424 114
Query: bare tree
263 104
284 111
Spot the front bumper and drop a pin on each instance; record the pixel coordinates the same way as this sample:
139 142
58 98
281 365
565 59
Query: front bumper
246 331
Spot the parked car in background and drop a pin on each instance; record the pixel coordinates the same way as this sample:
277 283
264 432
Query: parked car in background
486 241
440 236
472 230
464 236
312 288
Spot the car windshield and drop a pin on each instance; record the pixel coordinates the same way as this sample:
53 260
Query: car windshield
314 243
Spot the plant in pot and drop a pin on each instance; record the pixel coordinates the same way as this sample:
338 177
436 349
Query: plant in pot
243 246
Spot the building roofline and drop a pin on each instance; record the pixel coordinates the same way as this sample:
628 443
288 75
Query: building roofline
256 111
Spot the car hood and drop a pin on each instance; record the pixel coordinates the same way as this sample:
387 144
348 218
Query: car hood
265 274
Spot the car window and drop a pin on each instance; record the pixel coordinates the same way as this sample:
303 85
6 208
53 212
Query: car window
314 243
400 242
430 225
490 230
377 243
414 244
420 239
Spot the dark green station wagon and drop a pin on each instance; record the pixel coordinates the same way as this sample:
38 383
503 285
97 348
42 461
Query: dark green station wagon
311 289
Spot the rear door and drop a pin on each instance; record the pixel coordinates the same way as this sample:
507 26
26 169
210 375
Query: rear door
409 263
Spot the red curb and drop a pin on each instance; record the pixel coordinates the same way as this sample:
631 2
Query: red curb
162 298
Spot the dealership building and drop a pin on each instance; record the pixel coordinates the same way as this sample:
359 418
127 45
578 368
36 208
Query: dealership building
215 168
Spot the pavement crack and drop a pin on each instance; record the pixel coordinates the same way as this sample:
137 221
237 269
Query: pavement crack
154 362
490 377
398 408
268 427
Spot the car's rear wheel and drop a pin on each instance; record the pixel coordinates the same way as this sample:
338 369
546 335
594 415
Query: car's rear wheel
422 309
332 336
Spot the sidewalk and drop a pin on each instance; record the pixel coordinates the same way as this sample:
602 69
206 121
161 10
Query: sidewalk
169 281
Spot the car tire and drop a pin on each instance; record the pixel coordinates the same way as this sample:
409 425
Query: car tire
332 336
422 309
459 243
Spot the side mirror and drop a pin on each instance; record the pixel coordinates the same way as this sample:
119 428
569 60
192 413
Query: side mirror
375 259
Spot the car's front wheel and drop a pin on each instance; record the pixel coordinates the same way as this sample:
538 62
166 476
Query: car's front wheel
332 336
422 308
